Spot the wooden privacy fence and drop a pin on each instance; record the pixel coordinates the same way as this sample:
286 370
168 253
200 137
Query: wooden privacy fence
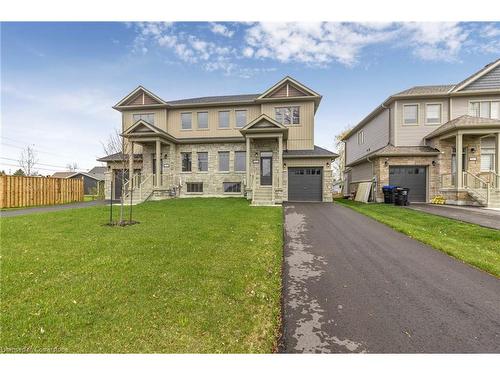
21 191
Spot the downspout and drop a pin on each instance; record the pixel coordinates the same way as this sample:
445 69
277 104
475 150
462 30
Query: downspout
389 123
373 178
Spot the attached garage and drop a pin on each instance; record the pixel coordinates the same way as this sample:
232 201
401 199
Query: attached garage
305 184
411 177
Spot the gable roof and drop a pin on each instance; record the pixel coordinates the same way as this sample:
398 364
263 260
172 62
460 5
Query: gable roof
390 150
263 118
144 128
62 174
98 172
463 122
317 152
155 100
289 80
477 75
216 99
119 157
426 90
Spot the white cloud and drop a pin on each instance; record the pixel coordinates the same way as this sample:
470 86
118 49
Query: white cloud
218 28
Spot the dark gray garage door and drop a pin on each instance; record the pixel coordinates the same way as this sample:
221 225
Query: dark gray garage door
305 184
413 178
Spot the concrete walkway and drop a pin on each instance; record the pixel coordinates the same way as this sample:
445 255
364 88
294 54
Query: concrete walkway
352 284
475 215
60 207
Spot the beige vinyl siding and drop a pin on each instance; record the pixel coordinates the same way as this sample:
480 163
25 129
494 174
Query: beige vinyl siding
213 130
159 114
361 172
376 135
460 104
413 134
301 136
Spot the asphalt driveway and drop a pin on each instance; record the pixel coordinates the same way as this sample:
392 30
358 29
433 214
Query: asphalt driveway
352 284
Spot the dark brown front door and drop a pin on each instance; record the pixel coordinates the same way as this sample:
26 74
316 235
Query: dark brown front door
266 168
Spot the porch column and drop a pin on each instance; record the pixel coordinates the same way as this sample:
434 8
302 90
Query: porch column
248 163
158 163
497 159
280 160
131 163
458 153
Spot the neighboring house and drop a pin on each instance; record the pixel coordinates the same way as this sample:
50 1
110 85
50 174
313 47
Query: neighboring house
412 138
90 180
260 146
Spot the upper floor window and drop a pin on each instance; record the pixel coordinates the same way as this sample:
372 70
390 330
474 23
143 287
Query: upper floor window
361 137
410 114
433 113
202 120
486 109
186 120
223 161
287 115
223 119
241 118
202 161
148 117
186 161
240 161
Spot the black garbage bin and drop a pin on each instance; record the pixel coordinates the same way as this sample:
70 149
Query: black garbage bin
401 197
389 191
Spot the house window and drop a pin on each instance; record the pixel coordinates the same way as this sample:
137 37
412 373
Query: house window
203 161
194 187
240 161
287 115
186 120
486 109
433 114
148 117
232 187
223 119
410 114
186 161
361 137
487 154
202 120
223 161
241 118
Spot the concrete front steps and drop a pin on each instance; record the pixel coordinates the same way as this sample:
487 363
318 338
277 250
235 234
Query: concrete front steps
262 196
479 194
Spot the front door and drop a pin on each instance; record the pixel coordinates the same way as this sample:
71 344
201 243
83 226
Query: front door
266 169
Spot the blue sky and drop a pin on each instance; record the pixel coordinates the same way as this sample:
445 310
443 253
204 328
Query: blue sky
59 80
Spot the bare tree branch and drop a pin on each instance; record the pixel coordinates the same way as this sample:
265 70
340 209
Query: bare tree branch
27 161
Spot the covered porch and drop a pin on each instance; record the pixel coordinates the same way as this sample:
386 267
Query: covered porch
469 162
264 138
156 178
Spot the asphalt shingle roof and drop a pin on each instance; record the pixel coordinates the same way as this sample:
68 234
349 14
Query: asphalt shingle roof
215 99
118 157
460 122
426 90
317 151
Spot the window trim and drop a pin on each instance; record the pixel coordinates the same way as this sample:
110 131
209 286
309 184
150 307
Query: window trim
232 192
362 134
236 118
441 114
290 107
194 192
228 161
228 111
198 122
198 162
234 162
144 113
191 127
418 114
490 100
191 153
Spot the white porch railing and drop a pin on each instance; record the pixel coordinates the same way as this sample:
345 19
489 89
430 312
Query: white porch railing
477 186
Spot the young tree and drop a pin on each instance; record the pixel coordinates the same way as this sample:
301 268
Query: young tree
27 161
19 172
115 144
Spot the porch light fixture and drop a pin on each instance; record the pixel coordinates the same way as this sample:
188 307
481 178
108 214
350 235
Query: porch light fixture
472 149
327 164
386 162
433 163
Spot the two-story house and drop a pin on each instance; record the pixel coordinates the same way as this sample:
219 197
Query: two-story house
412 138
260 146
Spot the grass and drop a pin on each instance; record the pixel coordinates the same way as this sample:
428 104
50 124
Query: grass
470 243
196 275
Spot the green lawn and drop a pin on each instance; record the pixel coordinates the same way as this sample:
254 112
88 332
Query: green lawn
470 243
196 275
